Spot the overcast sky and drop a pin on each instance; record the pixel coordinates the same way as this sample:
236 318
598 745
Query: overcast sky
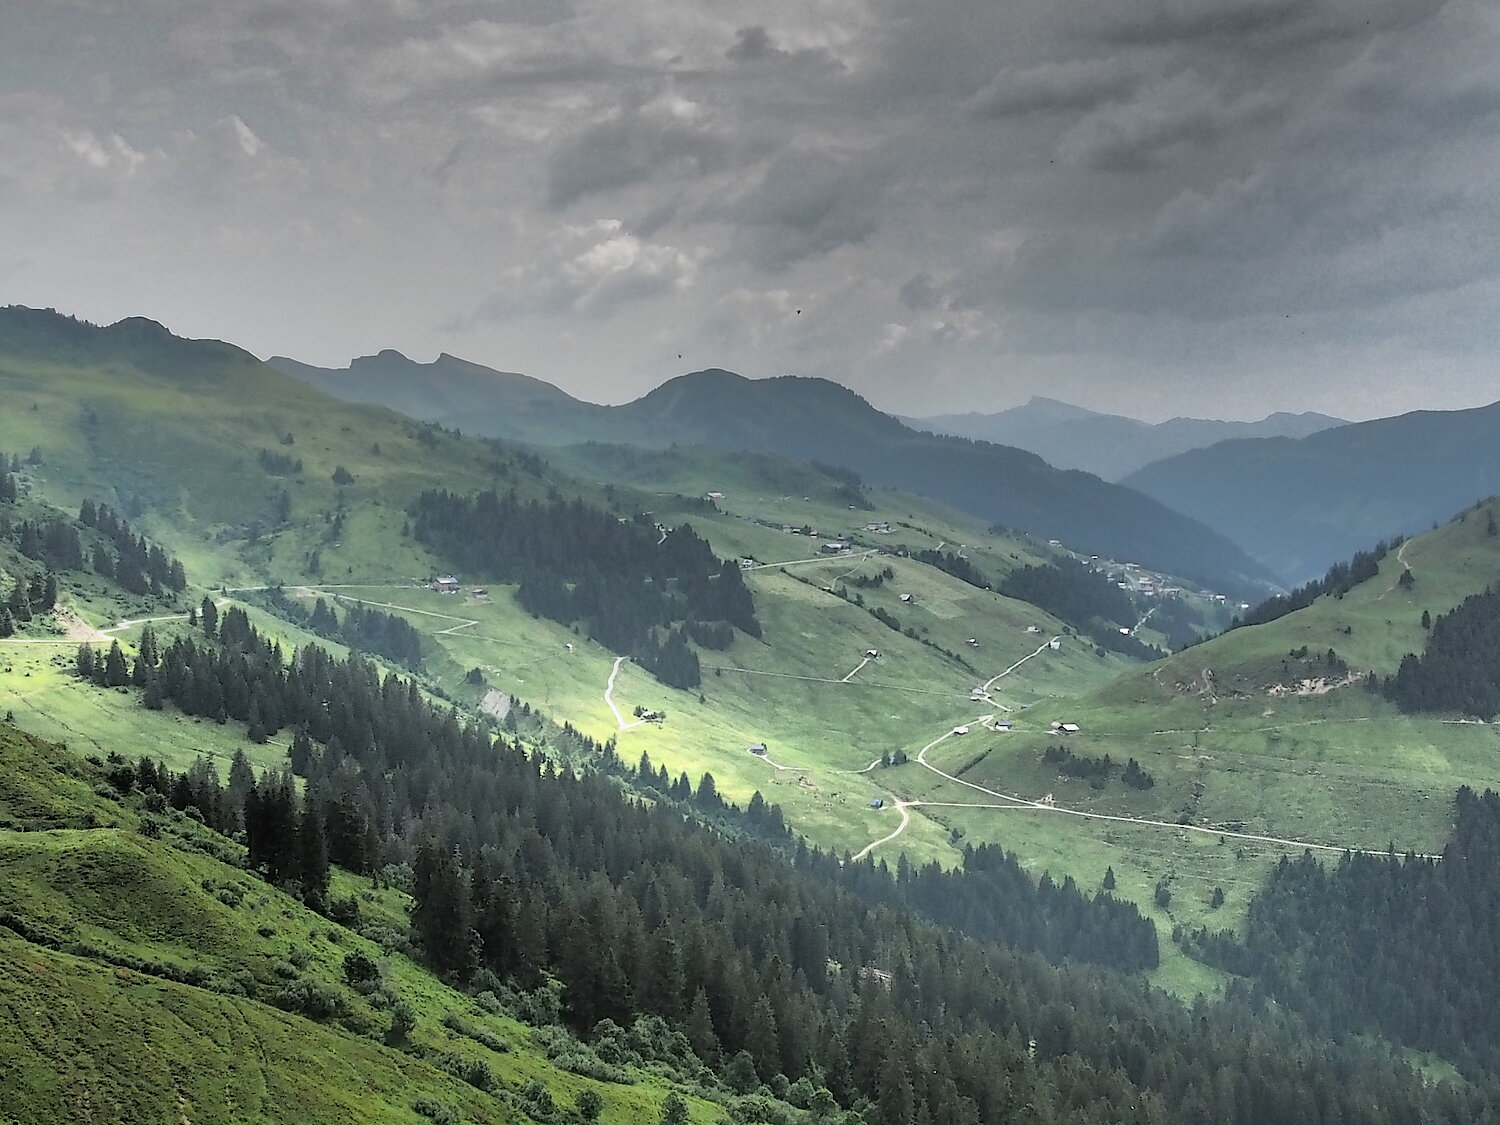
1156 207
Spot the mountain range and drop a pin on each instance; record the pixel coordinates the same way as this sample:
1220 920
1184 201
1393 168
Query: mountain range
1297 505
1109 445
807 420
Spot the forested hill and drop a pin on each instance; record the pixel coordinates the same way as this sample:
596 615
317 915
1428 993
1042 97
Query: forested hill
769 964
1404 946
641 589
817 420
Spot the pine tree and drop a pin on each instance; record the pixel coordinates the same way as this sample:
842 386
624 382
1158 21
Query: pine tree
700 1029
115 672
313 850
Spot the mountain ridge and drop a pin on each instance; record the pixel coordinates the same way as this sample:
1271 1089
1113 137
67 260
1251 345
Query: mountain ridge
1299 504
1110 445
809 419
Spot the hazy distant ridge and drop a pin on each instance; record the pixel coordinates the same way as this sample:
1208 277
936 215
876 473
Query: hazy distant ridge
807 420
1299 505
1110 445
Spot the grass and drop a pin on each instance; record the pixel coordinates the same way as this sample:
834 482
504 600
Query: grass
142 991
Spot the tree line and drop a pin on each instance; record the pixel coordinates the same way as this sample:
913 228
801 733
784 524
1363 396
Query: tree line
1339 579
1087 600
365 629
1399 945
1459 669
641 591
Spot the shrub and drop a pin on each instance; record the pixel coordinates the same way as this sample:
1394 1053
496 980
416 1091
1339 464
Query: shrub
476 1072
360 968
436 1110
312 999
483 1036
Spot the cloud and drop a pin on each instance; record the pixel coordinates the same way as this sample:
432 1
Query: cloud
1076 84
595 270
753 44
807 204
950 187
665 138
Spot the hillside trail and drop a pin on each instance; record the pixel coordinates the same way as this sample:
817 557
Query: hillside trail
609 697
1405 567
78 631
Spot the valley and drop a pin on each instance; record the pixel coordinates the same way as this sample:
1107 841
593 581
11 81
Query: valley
879 701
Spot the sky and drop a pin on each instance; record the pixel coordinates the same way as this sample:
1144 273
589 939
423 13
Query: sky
1215 208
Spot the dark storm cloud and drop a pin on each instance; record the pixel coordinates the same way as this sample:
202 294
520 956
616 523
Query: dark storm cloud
642 142
753 44
1074 85
1071 193
808 204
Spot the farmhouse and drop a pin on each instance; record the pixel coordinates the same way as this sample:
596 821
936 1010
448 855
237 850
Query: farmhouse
446 584
758 748
834 546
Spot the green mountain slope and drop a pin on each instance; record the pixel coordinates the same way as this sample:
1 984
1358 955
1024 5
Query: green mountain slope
140 978
816 420
1299 505
1108 445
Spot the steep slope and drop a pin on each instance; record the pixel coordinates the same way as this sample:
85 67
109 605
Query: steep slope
146 976
1299 505
817 420
1109 445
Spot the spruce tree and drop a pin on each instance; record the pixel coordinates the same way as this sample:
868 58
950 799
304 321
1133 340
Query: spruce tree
115 672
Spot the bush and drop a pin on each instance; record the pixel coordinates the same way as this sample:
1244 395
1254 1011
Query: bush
403 1020
360 968
588 1105
436 1110
536 1100
311 999
489 1002
483 1036
476 1072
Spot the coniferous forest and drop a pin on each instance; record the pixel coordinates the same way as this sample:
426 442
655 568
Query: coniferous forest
1398 945
1459 671
909 996
641 590
1073 592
